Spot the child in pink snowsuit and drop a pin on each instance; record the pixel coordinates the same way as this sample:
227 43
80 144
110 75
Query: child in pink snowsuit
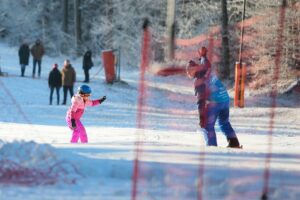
76 110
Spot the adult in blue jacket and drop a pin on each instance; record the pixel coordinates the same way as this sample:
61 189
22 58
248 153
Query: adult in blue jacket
217 109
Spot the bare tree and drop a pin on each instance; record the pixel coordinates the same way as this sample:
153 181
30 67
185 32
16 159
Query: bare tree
65 16
225 65
292 53
109 35
77 16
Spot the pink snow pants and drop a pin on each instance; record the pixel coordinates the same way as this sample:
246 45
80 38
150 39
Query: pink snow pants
79 132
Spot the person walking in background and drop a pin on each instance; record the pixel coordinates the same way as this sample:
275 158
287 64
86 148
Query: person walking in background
37 52
24 52
54 82
76 110
68 80
87 64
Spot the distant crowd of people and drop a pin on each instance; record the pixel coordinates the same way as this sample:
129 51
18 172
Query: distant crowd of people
65 78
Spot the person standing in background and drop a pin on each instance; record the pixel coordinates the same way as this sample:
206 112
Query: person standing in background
54 82
24 52
68 80
37 52
87 64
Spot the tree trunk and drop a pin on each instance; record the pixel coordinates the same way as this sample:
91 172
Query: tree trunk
109 34
170 29
45 23
65 16
77 15
225 62
293 25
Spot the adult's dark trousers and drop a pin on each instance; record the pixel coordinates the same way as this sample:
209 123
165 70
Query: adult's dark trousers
39 62
218 112
66 89
87 75
57 94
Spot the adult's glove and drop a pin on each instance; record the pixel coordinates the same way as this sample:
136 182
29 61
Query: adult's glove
73 123
190 69
192 63
102 99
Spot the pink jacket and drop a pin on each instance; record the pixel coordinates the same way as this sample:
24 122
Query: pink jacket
78 105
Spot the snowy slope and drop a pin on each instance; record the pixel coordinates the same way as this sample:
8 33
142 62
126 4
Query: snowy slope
173 158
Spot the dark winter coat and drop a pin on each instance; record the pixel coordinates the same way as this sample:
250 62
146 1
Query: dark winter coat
55 79
24 54
68 75
87 60
37 51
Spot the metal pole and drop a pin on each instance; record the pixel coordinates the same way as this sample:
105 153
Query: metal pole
119 64
242 33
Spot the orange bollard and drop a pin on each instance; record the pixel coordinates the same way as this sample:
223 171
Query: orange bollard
239 85
109 65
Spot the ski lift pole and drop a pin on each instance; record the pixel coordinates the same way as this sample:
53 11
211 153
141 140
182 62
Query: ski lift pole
119 65
240 69
242 33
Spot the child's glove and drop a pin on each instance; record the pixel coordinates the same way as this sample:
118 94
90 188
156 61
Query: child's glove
73 123
102 99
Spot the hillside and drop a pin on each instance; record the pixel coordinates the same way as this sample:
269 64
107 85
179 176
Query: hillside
40 163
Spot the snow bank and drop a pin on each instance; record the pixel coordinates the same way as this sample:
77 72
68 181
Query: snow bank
30 163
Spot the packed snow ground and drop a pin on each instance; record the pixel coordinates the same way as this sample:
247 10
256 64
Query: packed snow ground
174 158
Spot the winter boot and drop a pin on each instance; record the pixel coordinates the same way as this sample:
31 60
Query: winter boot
233 143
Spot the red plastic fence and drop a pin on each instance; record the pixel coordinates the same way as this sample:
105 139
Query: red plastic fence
188 54
279 42
141 101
